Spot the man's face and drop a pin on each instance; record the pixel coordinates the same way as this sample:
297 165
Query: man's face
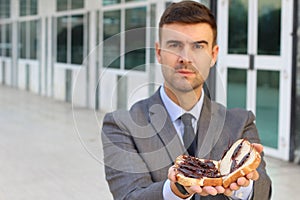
186 53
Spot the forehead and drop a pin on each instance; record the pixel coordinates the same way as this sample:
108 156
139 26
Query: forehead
187 32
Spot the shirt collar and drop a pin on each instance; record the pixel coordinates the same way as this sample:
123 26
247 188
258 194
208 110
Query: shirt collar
176 111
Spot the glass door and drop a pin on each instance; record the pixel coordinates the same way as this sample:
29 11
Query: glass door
254 65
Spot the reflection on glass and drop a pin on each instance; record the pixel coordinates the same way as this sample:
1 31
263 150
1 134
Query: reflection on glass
111 36
133 0
135 37
297 112
2 43
33 40
76 4
110 2
5 40
61 5
77 39
33 7
4 9
8 47
152 31
269 26
267 107
22 40
62 34
238 27
236 88
23 7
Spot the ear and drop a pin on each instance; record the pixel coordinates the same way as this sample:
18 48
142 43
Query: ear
215 52
158 52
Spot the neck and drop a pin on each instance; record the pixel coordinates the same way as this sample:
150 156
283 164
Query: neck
186 100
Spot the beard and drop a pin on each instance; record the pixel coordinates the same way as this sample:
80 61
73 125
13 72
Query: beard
177 82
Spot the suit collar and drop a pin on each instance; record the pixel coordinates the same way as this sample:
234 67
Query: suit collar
210 126
161 122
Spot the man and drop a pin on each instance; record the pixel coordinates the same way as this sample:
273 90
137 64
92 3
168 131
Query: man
140 145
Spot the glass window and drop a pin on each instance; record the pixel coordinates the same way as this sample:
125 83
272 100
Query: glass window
206 3
4 9
269 26
2 43
33 7
267 107
5 40
133 0
28 43
70 35
77 39
111 36
135 38
22 40
23 7
297 112
62 39
33 41
238 27
77 4
62 5
8 48
152 32
236 88
28 7
110 2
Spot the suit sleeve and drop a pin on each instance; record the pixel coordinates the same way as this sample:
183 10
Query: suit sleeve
262 187
126 173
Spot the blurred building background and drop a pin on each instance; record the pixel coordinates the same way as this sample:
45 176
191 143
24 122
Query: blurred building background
100 54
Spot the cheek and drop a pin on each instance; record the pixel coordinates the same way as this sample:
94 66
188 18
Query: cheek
168 58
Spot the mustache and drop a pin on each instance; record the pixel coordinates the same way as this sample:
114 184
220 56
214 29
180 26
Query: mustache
184 66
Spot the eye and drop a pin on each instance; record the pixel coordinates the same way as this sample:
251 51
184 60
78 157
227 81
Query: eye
198 46
174 45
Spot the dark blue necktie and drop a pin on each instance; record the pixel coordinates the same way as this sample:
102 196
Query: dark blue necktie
189 134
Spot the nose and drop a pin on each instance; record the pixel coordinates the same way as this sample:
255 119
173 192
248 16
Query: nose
184 56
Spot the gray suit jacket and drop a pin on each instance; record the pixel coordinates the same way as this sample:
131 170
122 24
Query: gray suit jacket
141 144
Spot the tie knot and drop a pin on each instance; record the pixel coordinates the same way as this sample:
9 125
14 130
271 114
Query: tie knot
186 119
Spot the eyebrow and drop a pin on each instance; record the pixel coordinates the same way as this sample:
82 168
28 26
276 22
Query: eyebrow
201 42
173 41
196 42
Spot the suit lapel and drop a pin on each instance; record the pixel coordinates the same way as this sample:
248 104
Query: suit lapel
210 126
161 122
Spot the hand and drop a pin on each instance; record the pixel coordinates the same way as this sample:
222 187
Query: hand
203 191
244 181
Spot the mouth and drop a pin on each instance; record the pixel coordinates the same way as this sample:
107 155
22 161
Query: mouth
185 72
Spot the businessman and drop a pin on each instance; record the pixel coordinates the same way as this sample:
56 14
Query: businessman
141 145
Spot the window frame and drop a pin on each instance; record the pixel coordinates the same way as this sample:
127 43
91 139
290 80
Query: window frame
69 14
122 7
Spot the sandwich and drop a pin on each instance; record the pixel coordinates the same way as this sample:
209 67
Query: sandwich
240 159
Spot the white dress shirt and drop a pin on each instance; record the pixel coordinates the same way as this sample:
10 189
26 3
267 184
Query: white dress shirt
175 113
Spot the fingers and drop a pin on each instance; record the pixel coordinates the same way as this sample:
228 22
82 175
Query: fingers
172 174
207 190
243 182
228 192
253 175
258 147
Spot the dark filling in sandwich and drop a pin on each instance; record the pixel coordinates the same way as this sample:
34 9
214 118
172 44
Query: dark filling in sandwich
195 168
234 164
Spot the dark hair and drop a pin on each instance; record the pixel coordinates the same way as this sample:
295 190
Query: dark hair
188 12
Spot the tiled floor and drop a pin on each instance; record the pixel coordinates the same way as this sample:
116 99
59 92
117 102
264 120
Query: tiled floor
49 150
